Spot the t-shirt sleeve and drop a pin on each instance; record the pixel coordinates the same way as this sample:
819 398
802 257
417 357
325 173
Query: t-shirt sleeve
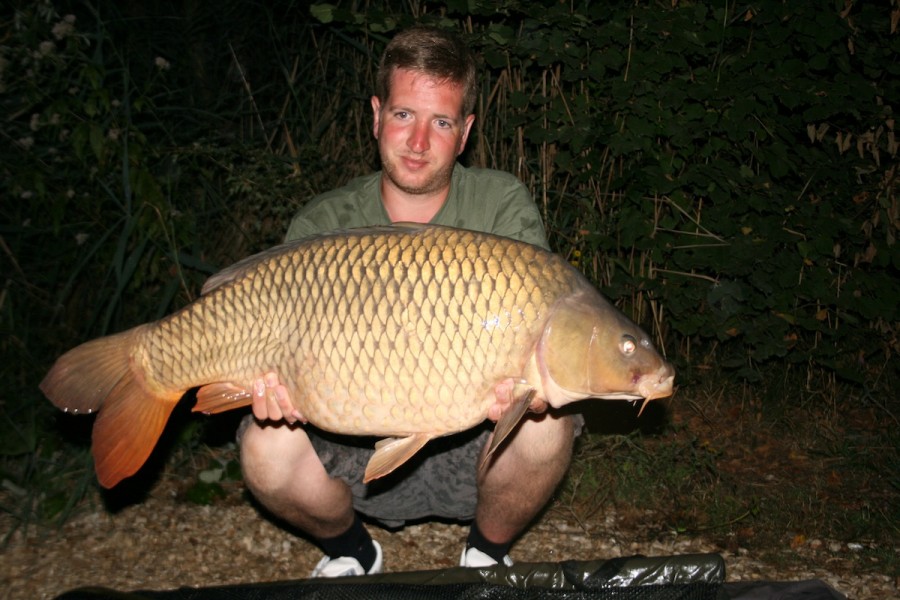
518 217
504 204
302 226
353 205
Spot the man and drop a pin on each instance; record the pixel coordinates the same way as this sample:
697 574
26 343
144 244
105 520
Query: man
423 105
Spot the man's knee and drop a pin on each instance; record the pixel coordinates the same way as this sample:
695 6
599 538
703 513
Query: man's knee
270 454
545 439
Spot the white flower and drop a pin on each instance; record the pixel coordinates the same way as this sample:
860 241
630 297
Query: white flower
35 122
45 48
161 63
81 238
63 29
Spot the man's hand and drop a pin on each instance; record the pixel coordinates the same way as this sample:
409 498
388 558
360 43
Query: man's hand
272 401
509 391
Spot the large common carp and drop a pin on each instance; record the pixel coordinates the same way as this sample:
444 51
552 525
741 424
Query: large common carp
409 332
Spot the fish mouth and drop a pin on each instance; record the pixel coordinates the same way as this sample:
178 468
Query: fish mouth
651 389
658 386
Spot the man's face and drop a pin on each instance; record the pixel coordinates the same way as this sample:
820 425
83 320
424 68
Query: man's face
420 132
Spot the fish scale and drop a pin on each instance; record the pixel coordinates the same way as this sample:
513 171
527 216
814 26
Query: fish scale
407 332
404 378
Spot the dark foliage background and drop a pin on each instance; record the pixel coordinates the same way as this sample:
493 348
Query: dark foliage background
727 174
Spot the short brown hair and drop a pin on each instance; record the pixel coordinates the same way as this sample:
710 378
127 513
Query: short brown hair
435 52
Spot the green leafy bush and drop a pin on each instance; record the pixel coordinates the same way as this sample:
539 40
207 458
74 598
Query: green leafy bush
728 174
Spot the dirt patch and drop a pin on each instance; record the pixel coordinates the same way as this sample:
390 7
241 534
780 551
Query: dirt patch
165 543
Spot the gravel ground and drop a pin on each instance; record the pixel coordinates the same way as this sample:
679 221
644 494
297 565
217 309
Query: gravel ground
164 543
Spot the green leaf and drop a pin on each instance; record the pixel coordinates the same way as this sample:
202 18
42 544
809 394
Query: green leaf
204 493
324 13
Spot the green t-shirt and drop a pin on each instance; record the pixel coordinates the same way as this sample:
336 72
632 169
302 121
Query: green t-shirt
480 199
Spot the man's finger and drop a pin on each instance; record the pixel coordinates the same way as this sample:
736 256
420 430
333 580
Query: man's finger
275 412
259 406
283 399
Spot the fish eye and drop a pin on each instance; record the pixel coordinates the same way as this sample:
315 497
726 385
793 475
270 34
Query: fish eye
628 344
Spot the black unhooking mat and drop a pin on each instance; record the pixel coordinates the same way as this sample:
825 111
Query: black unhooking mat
683 577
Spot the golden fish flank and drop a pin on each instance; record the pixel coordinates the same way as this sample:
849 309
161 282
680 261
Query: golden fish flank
411 332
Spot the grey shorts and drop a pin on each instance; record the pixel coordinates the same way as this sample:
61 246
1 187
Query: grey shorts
439 481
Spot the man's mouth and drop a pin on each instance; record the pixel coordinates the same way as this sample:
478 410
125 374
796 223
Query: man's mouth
413 164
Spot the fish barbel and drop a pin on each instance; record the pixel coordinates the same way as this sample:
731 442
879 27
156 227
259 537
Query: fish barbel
408 332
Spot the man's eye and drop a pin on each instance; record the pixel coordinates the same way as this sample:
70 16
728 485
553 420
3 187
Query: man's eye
444 124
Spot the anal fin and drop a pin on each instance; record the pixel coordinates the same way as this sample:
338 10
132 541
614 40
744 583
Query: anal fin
390 453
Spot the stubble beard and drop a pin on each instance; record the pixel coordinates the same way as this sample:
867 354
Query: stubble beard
439 180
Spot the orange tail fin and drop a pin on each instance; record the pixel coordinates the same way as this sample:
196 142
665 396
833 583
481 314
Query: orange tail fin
101 375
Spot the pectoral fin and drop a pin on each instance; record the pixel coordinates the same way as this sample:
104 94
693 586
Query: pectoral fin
508 422
221 396
390 453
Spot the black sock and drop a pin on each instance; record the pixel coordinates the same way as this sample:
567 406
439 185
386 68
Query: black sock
355 542
477 540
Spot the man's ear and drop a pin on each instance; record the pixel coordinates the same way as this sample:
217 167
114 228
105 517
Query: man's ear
376 114
467 126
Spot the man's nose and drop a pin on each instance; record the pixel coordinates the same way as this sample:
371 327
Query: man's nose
418 139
